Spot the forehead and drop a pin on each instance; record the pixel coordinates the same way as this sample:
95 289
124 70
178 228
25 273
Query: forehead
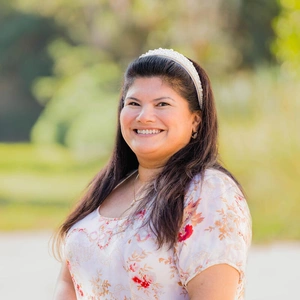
150 85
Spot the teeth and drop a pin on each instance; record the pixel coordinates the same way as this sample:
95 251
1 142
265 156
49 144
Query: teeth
148 131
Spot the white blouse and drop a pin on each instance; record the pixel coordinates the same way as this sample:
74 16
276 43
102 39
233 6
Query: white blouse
117 259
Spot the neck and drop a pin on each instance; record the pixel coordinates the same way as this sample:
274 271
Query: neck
147 174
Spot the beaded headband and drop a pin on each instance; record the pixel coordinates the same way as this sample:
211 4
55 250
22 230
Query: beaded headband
183 62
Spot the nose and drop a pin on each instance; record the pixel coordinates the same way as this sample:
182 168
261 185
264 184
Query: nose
146 114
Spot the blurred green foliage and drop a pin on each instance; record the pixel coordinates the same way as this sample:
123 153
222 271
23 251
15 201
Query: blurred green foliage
81 100
23 57
71 52
260 144
250 26
287 44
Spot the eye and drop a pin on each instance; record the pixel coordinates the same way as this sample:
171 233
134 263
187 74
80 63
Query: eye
132 103
163 104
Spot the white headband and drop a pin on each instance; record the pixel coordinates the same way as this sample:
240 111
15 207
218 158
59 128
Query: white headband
183 62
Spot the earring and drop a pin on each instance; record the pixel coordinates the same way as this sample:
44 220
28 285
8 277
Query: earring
194 134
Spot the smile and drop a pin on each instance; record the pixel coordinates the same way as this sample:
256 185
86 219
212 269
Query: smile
147 131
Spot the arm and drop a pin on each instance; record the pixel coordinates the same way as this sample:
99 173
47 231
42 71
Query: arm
64 288
218 282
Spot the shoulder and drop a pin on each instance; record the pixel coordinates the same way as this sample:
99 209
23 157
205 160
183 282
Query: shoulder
213 175
214 194
216 210
213 183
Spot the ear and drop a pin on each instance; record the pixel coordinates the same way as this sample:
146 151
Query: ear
196 120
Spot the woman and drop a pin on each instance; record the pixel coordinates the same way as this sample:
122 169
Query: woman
163 219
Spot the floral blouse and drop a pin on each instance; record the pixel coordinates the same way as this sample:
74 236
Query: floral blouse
117 259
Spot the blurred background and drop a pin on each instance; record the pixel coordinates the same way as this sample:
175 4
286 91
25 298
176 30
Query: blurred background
61 67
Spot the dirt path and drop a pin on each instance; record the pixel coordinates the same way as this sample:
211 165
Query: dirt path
27 271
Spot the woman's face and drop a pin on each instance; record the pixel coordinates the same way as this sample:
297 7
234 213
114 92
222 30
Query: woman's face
156 121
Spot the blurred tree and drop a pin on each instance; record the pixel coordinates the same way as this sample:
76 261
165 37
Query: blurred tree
23 57
250 23
105 36
81 99
199 28
287 43
102 36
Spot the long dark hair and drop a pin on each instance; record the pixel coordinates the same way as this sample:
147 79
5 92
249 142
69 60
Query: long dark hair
166 192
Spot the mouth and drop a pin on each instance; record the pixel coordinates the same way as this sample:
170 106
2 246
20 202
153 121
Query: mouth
147 131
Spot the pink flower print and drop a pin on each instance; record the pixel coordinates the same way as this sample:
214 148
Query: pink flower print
78 288
149 278
68 264
134 267
238 197
142 238
188 231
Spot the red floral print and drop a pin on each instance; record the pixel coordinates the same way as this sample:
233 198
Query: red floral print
143 282
188 231
141 214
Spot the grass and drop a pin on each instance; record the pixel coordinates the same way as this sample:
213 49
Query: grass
262 149
39 185
31 216
271 183
259 143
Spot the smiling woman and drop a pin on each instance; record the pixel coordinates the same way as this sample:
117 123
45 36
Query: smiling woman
163 219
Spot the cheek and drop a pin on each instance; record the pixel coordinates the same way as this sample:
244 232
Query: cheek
125 121
184 122
126 114
123 118
122 124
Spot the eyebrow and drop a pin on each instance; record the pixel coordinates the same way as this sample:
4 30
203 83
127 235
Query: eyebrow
156 99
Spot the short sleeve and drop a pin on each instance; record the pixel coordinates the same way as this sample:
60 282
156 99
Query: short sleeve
216 226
